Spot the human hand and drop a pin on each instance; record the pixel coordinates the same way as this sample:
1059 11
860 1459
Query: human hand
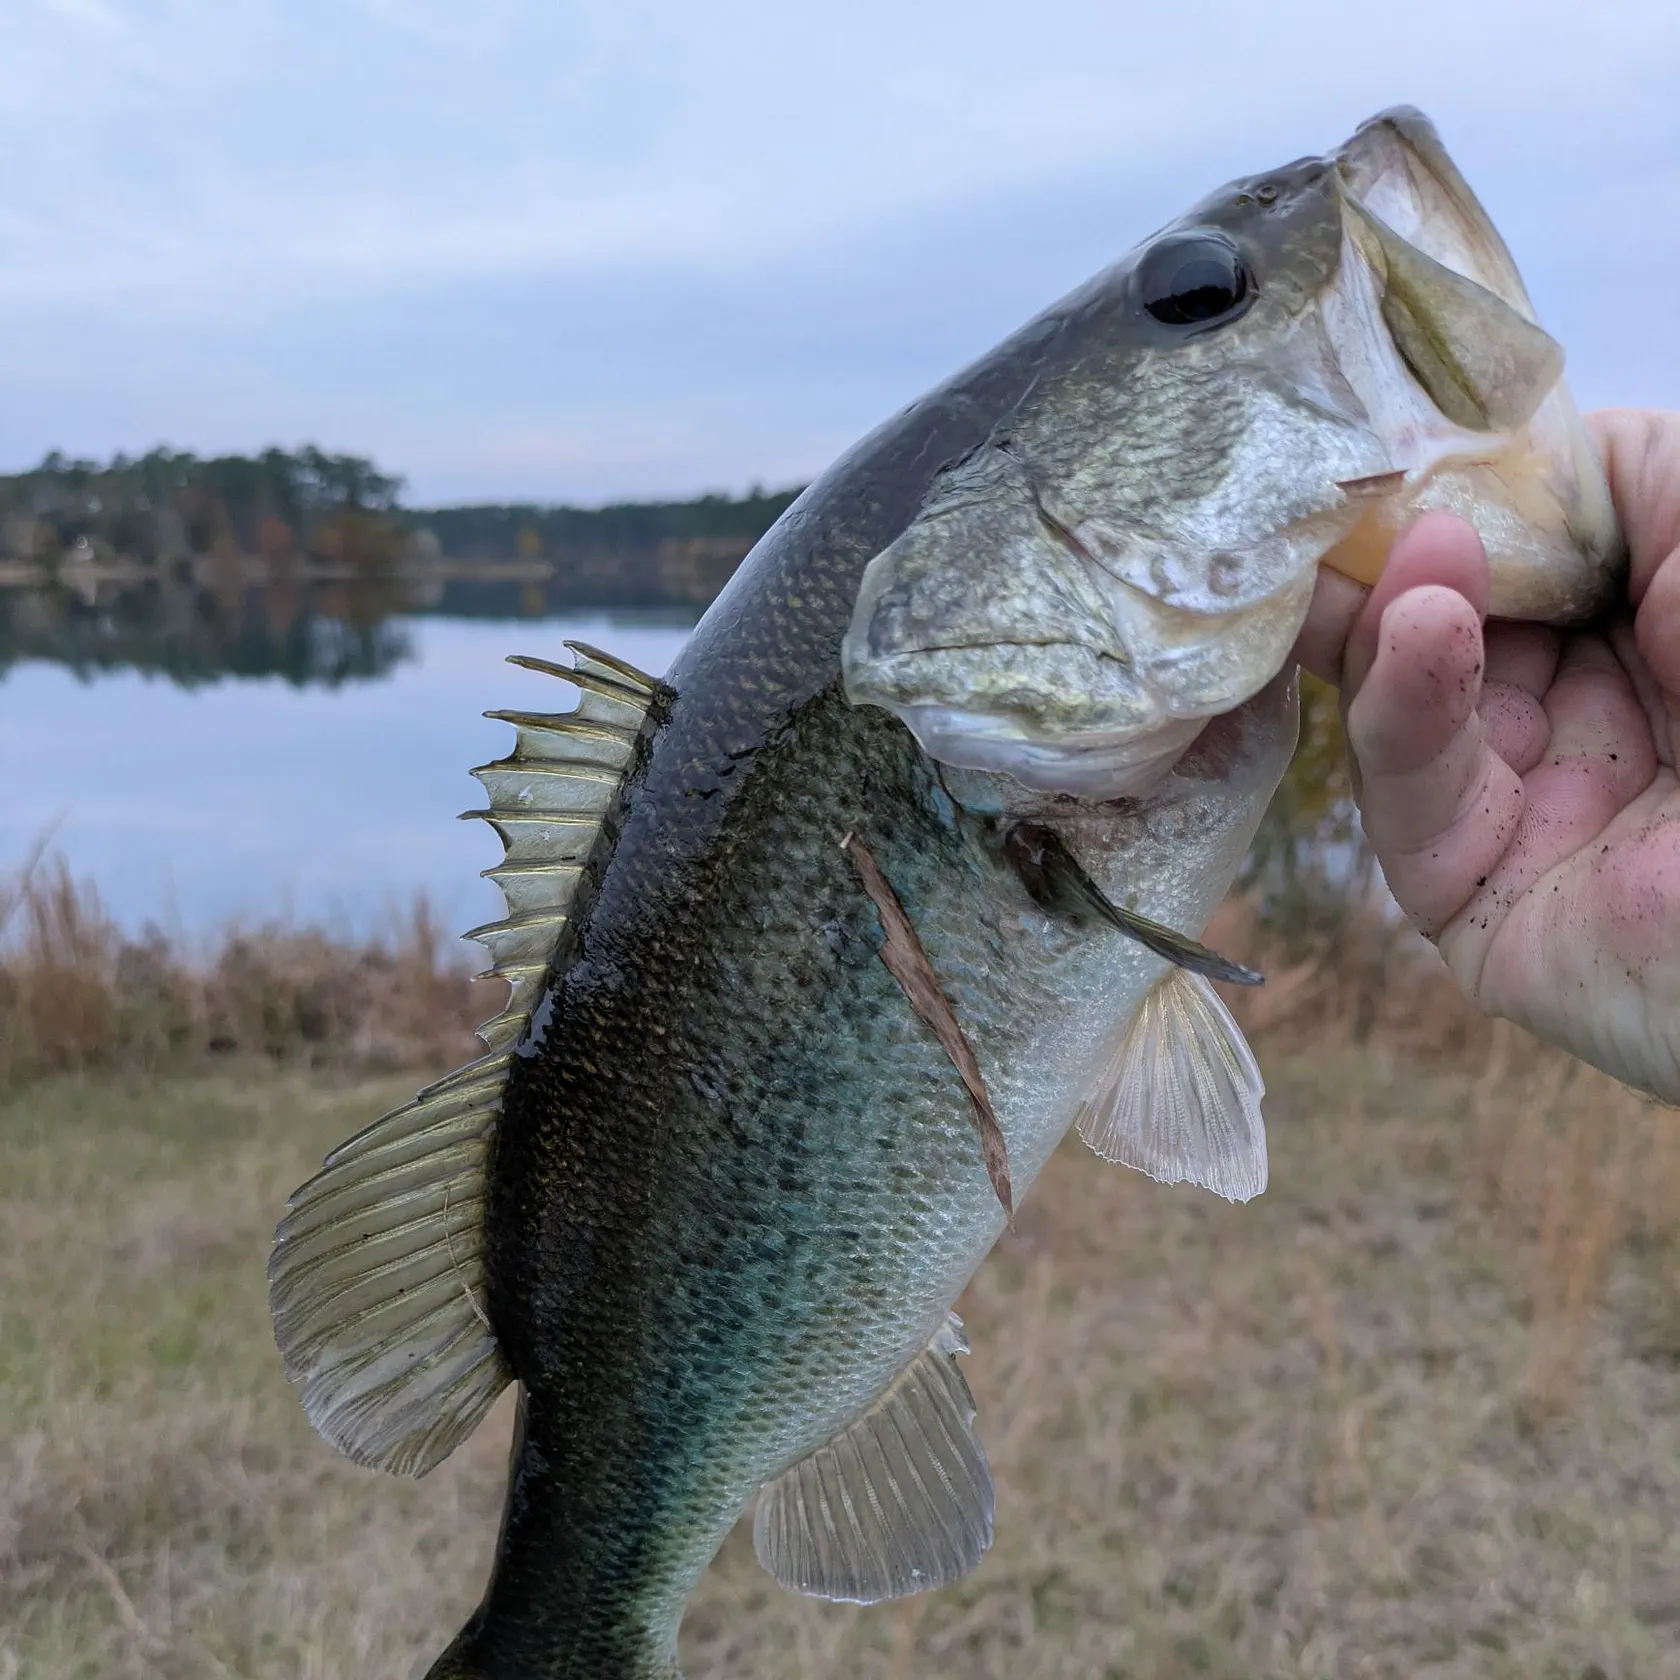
1518 783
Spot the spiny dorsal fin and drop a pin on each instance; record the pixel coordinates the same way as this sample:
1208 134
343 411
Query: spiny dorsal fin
1179 1097
548 799
900 1501
376 1282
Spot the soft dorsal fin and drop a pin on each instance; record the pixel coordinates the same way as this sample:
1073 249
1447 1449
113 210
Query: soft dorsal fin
900 1501
1179 1097
376 1282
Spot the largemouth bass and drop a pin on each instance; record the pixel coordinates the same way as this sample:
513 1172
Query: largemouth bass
818 946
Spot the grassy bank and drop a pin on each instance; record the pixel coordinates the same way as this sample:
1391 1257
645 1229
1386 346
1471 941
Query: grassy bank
1415 1412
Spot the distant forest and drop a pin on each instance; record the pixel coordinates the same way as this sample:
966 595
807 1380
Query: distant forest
308 513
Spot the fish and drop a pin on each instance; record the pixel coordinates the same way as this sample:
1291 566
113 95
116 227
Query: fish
819 944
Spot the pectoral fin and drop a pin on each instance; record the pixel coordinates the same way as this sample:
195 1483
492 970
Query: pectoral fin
900 1501
1179 1098
1058 883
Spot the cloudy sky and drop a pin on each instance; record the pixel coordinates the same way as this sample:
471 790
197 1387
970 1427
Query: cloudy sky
579 249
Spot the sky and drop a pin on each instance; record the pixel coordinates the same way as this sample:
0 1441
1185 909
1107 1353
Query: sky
591 249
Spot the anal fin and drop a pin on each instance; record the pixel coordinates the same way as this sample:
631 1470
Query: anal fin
1179 1097
899 1502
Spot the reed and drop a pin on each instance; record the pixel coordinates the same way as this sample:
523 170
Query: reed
77 994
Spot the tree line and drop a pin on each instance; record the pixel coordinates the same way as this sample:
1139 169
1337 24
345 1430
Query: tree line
311 509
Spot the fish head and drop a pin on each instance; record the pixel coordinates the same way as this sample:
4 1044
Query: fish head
1277 380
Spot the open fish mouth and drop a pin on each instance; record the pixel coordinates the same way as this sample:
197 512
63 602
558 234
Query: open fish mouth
1437 334
1396 168
1282 379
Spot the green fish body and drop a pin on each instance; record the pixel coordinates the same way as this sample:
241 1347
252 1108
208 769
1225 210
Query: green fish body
735 1188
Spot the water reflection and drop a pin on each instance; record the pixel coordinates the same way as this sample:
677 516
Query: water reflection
196 633
320 619
296 564
208 622
190 806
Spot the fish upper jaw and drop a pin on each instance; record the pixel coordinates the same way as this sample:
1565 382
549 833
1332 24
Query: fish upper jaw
1396 168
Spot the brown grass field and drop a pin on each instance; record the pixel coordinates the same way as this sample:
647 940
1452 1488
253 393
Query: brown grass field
1414 1412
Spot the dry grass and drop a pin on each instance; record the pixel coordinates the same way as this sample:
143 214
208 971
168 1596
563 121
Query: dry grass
1416 1412
76 993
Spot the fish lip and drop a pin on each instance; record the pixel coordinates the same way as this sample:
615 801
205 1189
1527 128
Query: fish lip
1095 764
1110 745
1096 769
1395 171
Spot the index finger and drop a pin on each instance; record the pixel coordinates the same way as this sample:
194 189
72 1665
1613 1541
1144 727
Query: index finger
1439 550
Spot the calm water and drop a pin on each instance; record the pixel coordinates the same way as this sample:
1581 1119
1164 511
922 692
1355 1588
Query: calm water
261 796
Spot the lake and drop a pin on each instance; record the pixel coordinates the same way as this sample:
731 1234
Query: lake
323 787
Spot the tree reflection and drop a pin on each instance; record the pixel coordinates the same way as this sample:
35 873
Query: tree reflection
322 635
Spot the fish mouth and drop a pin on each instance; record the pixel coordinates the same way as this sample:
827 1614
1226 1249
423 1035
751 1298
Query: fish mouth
1396 168
1434 330
1091 764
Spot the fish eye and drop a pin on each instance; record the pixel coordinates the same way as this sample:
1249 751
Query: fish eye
1194 281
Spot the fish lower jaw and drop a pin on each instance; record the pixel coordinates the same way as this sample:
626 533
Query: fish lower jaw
1095 765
